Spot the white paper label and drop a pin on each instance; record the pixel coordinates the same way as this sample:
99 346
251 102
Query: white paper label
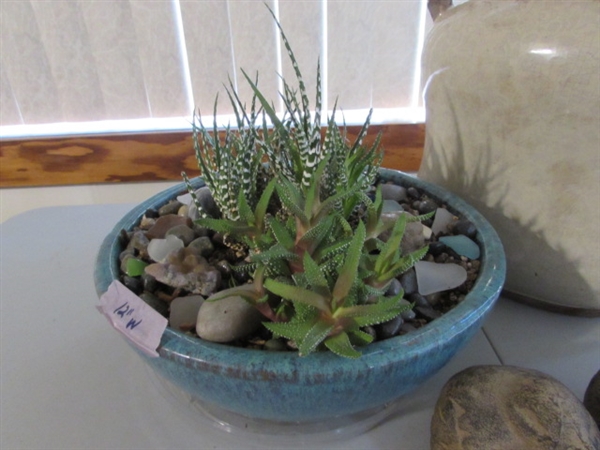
134 318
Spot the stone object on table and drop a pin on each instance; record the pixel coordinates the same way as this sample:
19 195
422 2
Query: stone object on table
591 399
506 407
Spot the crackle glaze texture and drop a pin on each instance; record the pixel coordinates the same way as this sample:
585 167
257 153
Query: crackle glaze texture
281 386
513 126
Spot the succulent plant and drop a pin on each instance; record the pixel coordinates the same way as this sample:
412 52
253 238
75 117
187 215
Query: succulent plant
309 218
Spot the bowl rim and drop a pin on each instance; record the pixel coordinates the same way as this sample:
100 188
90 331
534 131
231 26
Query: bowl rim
197 353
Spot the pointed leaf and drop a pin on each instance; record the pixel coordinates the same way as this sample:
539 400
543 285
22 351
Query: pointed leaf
281 233
340 345
319 331
263 204
349 270
314 276
297 294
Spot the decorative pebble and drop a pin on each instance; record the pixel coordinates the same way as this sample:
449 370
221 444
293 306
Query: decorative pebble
505 407
151 213
462 245
147 222
390 211
227 319
164 224
391 191
463 226
155 302
394 288
202 245
408 280
442 221
390 328
427 206
433 277
419 300
275 345
159 249
436 248
139 242
134 284
134 267
413 192
183 211
409 314
187 270
427 312
183 312
413 238
170 208
207 202
183 232
591 399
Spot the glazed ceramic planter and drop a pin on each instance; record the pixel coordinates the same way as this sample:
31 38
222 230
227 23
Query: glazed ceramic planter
284 387
512 95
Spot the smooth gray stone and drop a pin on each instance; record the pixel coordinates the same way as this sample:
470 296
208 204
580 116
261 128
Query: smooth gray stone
393 192
505 407
227 319
183 232
183 312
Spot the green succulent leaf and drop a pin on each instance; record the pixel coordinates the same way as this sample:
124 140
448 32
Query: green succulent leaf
298 294
348 273
360 337
340 345
314 276
294 330
282 235
316 335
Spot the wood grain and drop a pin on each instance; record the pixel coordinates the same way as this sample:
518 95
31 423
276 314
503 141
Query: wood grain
152 156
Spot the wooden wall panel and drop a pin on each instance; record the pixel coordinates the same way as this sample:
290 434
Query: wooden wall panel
151 156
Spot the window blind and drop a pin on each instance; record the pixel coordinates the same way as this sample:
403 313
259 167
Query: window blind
75 67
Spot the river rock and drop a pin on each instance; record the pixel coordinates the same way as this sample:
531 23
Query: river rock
207 202
164 224
203 246
504 407
408 280
227 319
413 238
170 208
183 232
591 399
183 312
187 270
391 191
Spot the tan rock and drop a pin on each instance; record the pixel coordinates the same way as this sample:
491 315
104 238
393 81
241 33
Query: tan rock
509 408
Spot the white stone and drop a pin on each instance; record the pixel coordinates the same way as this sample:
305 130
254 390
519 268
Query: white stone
433 277
159 249
442 219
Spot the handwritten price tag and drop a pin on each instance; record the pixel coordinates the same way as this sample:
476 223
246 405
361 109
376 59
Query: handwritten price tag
133 317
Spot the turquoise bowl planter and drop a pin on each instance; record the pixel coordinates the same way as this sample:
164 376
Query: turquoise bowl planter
283 387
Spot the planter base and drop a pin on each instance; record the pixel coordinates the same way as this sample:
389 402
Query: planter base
272 432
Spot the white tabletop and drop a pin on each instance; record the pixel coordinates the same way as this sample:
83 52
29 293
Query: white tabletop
69 381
